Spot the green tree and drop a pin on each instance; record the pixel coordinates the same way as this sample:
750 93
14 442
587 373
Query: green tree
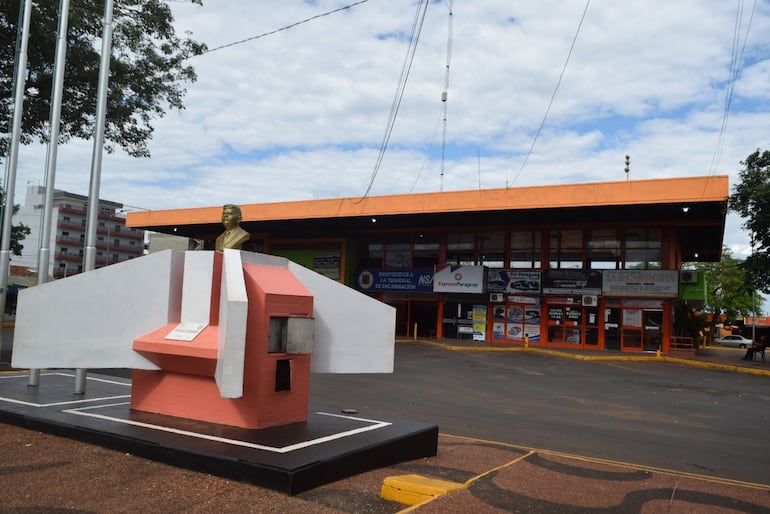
750 198
147 69
18 232
728 290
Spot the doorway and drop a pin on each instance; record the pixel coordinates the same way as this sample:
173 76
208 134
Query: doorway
424 314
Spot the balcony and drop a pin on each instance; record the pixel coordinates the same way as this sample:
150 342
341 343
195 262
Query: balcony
69 240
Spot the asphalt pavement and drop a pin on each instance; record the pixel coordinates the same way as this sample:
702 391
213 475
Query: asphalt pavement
522 430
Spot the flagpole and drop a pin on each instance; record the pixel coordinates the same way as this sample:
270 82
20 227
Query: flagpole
89 258
44 252
13 157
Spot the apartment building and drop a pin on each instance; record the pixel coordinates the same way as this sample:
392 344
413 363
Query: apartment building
114 241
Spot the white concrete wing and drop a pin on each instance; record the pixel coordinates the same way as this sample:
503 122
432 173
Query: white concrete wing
353 332
90 320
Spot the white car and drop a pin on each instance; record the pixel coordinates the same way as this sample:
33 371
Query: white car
734 340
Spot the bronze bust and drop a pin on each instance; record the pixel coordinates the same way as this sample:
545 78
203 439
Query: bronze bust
233 236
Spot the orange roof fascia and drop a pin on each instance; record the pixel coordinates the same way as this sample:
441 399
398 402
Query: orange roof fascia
633 192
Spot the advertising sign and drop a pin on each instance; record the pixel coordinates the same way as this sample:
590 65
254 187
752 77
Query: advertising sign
513 281
641 283
459 279
572 282
410 280
479 322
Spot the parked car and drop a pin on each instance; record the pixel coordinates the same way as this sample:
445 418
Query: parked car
734 340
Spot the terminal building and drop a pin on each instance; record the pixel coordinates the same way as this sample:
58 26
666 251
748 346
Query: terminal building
591 265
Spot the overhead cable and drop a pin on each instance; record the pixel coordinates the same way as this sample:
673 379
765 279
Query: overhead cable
414 38
287 27
736 61
553 96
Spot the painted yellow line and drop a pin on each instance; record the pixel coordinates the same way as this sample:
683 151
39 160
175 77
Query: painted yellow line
498 468
14 372
631 465
583 357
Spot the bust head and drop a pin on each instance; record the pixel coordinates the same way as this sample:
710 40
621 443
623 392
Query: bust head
231 216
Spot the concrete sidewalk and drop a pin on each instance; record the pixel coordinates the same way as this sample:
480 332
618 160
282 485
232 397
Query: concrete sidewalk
47 474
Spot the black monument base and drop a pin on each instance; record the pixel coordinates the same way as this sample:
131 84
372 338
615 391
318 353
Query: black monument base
290 458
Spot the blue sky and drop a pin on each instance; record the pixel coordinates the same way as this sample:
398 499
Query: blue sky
301 113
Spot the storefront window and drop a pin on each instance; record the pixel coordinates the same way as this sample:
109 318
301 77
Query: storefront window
520 321
371 255
460 249
604 249
426 251
572 323
525 249
643 248
566 249
492 249
397 255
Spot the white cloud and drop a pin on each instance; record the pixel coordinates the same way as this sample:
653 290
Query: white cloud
301 113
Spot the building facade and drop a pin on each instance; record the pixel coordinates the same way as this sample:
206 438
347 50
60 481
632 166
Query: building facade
114 241
593 266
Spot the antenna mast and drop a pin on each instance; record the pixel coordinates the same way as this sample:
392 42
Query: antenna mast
444 93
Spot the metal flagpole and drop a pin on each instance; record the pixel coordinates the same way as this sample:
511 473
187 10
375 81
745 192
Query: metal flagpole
89 259
13 156
44 252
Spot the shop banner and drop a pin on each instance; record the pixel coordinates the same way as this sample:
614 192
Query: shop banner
512 281
572 282
459 279
479 322
410 280
760 321
641 283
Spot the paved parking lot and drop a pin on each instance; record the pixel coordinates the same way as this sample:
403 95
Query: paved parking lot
664 414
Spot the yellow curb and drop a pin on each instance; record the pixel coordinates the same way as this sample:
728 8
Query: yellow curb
568 355
414 489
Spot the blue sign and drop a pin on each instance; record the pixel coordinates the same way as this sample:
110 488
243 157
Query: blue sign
395 280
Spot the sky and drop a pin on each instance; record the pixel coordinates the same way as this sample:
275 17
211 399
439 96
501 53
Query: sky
546 92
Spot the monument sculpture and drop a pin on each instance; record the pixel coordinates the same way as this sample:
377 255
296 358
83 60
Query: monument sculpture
221 345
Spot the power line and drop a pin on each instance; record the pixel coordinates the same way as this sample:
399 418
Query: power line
414 38
736 61
287 27
553 96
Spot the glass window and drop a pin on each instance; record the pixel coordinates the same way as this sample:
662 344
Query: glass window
460 249
398 255
643 248
371 255
604 249
492 249
566 249
426 251
525 249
